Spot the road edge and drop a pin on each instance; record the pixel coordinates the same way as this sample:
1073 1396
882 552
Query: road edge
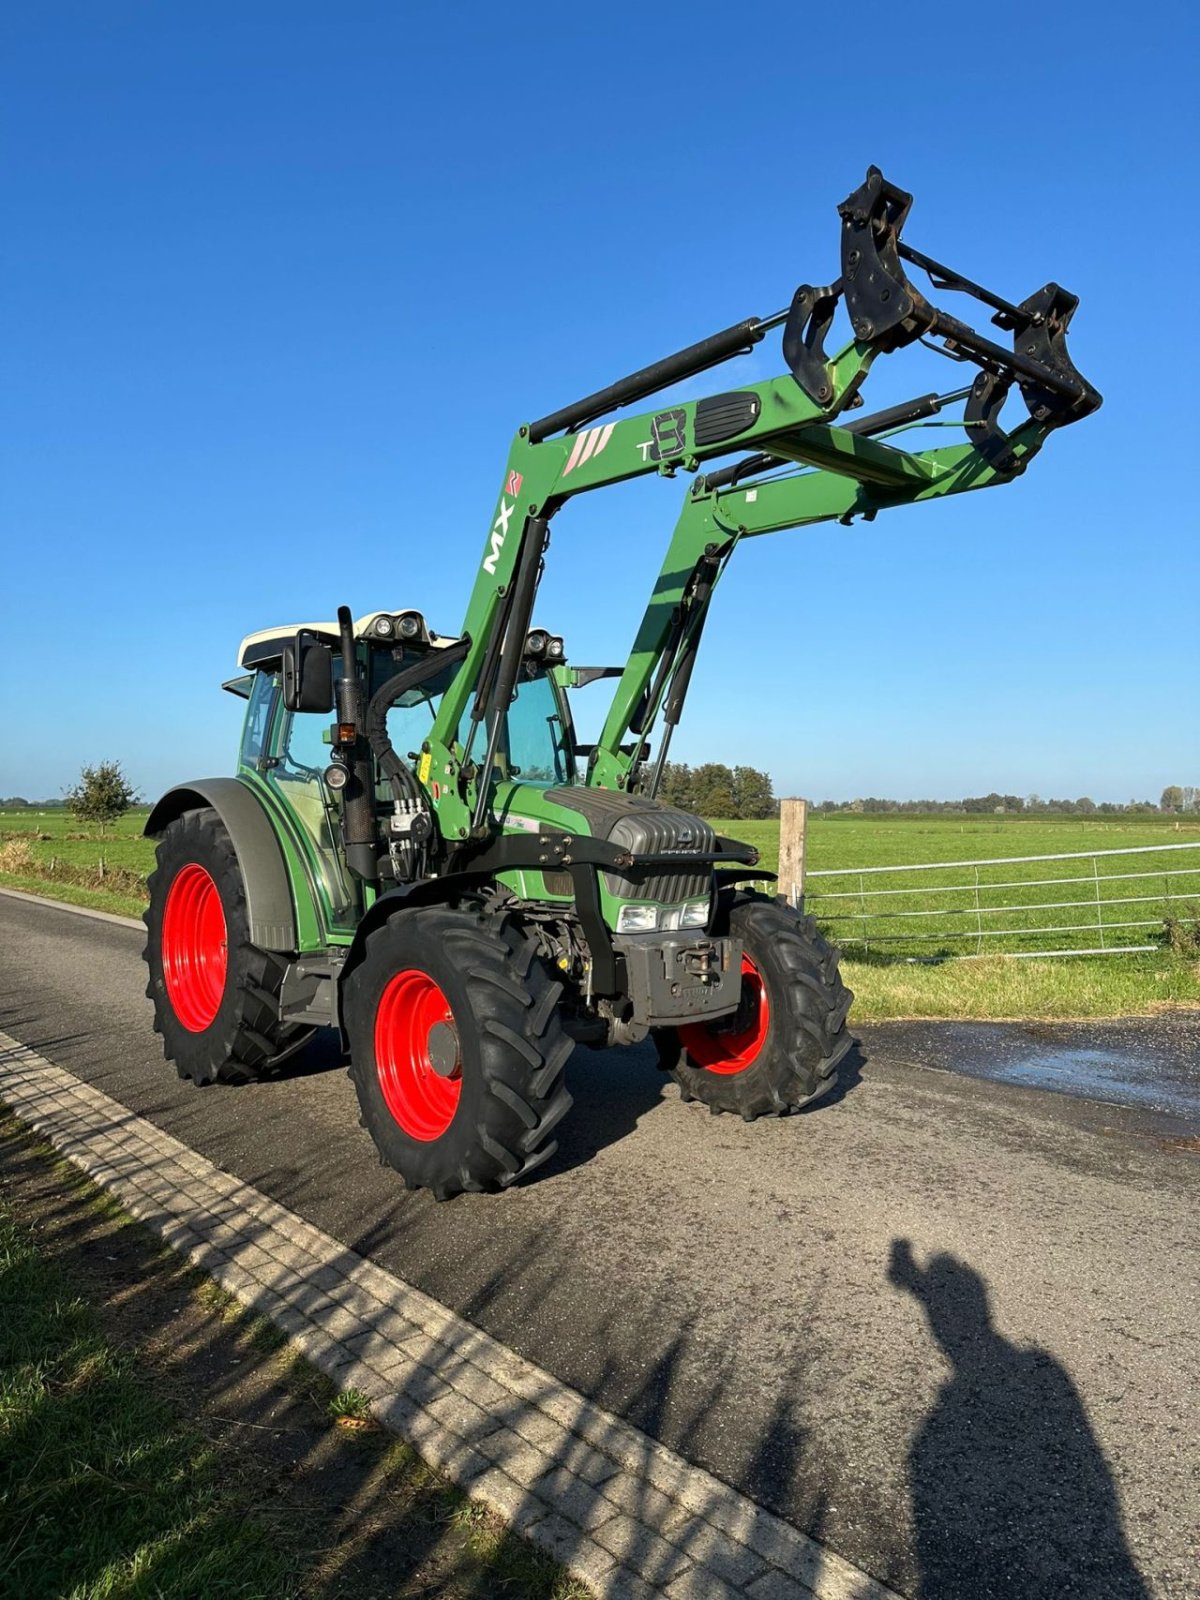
79 911
624 1514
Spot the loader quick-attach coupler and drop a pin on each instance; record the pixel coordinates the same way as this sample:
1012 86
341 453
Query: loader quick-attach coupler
886 311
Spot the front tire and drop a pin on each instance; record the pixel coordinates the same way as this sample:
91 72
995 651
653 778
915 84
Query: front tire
782 1046
457 1053
214 993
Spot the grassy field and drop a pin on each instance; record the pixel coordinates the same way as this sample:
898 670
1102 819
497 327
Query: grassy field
881 937
58 836
48 852
973 910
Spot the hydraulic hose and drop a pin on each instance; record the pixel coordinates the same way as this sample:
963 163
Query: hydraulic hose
397 772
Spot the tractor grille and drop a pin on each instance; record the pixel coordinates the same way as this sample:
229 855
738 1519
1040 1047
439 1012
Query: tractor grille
644 827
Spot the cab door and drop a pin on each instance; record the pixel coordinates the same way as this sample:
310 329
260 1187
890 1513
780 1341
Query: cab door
295 773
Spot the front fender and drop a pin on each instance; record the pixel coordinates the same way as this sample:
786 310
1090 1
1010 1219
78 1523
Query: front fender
268 892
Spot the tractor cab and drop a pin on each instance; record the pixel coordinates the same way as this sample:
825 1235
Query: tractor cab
290 739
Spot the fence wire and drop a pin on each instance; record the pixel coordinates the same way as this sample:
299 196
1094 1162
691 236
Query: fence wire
900 911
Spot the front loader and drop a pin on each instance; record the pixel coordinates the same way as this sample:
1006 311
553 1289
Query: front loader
418 851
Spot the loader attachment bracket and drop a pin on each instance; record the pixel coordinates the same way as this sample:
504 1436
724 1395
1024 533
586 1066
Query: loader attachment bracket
884 308
886 312
984 404
808 321
1041 334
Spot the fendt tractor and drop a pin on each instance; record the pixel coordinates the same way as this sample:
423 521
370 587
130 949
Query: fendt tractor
417 850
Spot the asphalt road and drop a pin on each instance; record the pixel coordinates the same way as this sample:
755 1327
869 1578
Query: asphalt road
947 1325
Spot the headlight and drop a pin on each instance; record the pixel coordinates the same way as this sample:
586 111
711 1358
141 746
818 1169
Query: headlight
382 627
637 919
664 919
694 914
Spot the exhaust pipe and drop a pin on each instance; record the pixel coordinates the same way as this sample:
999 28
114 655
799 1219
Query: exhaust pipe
358 808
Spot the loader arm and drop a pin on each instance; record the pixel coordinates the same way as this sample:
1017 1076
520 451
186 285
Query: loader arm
798 419
718 514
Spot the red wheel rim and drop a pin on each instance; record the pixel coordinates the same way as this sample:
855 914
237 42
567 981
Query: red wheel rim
195 948
422 1100
720 1049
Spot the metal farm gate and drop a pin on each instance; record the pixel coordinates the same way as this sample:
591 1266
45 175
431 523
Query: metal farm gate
1090 902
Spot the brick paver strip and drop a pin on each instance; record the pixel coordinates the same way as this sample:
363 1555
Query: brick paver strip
624 1514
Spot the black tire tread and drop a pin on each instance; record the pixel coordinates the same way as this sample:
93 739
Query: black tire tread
522 1050
809 1004
246 1036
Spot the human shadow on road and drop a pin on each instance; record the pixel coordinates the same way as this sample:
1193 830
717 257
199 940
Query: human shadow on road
1012 1497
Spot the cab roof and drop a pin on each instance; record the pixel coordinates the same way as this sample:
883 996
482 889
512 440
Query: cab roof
257 649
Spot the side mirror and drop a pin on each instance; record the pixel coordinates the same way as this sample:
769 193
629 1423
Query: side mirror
307 675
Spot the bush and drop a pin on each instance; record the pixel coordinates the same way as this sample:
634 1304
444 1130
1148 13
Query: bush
1181 935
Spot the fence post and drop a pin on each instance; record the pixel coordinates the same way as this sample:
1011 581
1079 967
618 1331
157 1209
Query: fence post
793 825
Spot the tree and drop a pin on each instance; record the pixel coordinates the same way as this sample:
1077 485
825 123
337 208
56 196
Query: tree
675 786
101 794
752 793
1172 798
712 791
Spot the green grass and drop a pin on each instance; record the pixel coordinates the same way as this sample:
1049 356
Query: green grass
57 835
120 905
51 853
350 1405
103 1491
999 989
849 840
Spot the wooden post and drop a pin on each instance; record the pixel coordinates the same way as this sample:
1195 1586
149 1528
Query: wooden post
793 822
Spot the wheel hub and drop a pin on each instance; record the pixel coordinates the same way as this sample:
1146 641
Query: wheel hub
443 1050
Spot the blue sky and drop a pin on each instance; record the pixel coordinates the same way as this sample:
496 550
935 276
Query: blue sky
281 280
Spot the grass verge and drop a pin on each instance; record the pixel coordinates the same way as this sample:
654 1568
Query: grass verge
156 1440
121 905
1000 989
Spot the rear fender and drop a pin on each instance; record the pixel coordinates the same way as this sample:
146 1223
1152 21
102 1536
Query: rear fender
268 892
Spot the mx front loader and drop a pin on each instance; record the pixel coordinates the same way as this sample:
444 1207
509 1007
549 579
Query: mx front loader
416 849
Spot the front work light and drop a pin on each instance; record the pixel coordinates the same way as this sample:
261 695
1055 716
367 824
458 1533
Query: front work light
663 919
637 919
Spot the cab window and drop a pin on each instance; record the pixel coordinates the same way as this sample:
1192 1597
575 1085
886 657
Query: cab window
257 728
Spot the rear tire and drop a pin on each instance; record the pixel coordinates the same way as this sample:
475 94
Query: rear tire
782 1047
214 992
457 1052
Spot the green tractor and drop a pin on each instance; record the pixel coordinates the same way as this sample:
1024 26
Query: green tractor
417 850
